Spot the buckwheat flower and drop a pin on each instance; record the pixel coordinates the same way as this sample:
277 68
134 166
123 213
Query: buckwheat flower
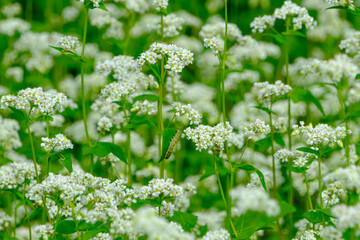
12 25
333 193
163 187
59 143
256 128
102 236
348 177
160 4
5 220
309 234
95 3
172 25
299 16
265 92
43 231
121 66
351 45
188 111
9 136
15 174
217 30
255 199
347 217
12 9
209 138
331 233
221 234
177 57
321 135
354 93
17 73
215 44
261 23
139 6
144 107
68 43
343 3
104 124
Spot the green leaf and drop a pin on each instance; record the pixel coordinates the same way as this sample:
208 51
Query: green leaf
356 12
186 220
304 95
249 223
19 115
209 171
296 169
313 216
357 148
293 33
268 111
262 178
102 149
167 136
263 145
93 233
149 97
66 227
277 37
247 167
66 161
279 140
286 208
308 150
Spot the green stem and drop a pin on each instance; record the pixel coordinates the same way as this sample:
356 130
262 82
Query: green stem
47 135
320 184
223 197
33 151
26 211
75 220
160 104
15 215
83 101
56 224
129 159
308 192
342 100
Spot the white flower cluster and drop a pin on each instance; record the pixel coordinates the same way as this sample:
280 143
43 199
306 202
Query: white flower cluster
256 128
221 234
255 199
43 231
233 79
59 143
218 30
160 4
207 137
320 136
215 44
177 57
351 45
265 92
5 220
122 66
9 136
161 187
297 158
12 25
299 15
347 217
15 174
188 111
68 43
344 3
172 25
139 6
154 227
11 9
104 124
35 98
144 107
332 194
249 49
342 66
102 236
348 177
116 91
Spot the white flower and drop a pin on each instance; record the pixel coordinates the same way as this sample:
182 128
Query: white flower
221 234
216 44
68 43
59 143
160 4
188 111
104 124
256 128
266 92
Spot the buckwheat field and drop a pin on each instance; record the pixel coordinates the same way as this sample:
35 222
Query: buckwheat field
179 119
